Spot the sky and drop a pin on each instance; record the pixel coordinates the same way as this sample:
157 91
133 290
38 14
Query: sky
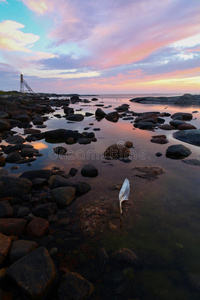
101 46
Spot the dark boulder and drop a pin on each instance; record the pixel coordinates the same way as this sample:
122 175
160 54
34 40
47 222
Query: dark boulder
75 117
34 273
188 136
99 114
89 170
37 227
177 151
6 209
13 157
20 248
112 117
182 116
5 243
36 174
12 226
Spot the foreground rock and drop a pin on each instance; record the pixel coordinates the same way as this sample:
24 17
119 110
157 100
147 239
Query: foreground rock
34 273
12 226
14 187
74 286
20 248
177 151
188 136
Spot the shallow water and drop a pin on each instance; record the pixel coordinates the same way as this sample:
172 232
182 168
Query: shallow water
161 220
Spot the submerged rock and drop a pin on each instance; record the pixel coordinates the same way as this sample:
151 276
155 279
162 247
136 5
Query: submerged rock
34 273
74 286
116 151
192 162
148 172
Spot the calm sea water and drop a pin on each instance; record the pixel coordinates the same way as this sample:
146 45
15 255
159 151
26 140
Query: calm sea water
161 220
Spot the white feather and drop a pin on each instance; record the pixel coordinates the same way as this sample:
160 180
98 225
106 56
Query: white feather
124 193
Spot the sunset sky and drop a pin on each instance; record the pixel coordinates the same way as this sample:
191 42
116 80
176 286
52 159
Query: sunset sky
101 46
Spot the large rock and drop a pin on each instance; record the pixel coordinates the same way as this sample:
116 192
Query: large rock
112 116
177 151
36 174
5 243
75 117
13 157
99 114
37 227
74 286
188 136
20 248
15 139
4 125
89 171
116 151
34 273
6 209
63 196
11 226
182 116
23 118
14 187
61 135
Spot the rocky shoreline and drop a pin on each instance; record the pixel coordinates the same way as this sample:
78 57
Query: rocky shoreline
185 100
40 240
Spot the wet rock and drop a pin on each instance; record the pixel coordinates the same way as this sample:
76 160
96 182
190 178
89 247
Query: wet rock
90 135
31 131
61 135
192 162
144 125
89 170
4 125
166 127
84 141
37 120
36 174
63 196
34 273
3 115
122 108
74 286
184 116
176 123
29 152
149 173
99 113
6 209
127 118
81 188
186 126
94 99
177 151
188 136
20 248
112 117
23 118
5 244
13 157
75 117
2 161
12 226
14 187
88 114
44 210
159 140
116 151
68 110
15 139
37 227
39 182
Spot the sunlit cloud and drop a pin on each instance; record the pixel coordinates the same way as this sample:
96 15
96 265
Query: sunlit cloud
11 38
39 6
